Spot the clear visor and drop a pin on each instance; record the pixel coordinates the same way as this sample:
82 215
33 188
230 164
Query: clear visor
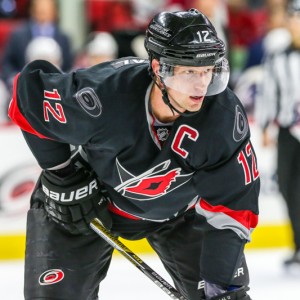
196 81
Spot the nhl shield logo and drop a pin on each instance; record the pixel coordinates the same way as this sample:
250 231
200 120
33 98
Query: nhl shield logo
162 134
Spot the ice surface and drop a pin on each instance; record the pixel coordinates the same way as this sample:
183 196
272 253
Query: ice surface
269 281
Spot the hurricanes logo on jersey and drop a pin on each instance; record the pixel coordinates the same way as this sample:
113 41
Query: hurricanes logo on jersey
51 277
154 186
89 102
240 128
151 184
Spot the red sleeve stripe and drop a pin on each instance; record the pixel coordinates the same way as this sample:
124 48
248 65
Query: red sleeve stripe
16 116
221 217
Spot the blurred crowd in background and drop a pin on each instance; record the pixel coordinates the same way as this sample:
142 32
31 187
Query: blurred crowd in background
32 29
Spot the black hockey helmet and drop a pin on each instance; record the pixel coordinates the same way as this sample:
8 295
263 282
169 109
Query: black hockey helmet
183 38
186 38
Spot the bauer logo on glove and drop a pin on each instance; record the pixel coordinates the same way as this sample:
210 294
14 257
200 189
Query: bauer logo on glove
73 199
71 195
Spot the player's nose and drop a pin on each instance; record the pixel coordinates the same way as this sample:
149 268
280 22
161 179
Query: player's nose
200 84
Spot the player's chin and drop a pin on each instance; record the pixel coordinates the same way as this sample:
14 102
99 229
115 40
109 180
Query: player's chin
192 110
195 105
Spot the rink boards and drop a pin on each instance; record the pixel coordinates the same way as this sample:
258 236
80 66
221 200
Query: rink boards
19 171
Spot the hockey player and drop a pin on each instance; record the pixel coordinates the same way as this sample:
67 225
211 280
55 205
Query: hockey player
169 158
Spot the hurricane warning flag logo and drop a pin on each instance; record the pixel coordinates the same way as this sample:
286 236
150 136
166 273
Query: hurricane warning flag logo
151 184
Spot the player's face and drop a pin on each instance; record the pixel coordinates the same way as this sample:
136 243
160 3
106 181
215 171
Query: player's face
187 86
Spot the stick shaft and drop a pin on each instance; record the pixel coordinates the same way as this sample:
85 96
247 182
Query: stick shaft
135 260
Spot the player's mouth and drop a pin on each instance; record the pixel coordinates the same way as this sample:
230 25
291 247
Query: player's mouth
197 99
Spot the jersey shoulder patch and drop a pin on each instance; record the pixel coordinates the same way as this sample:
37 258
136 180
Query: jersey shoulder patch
241 127
231 108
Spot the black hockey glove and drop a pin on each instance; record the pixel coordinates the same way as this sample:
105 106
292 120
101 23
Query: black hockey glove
237 294
73 198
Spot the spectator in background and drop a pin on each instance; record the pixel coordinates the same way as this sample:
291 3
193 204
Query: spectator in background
275 17
42 22
101 46
44 48
7 8
275 39
279 103
143 10
109 15
242 31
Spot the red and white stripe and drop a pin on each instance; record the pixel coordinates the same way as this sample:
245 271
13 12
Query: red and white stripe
242 222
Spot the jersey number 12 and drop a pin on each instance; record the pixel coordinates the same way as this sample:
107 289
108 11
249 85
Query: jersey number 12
251 173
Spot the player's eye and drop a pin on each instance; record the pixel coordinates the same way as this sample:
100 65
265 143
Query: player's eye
190 72
208 70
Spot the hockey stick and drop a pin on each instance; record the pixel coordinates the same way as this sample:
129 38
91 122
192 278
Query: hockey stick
97 226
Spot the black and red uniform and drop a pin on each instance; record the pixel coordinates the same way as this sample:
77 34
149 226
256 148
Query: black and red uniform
191 188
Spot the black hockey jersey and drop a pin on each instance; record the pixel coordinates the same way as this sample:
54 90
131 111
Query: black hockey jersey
207 161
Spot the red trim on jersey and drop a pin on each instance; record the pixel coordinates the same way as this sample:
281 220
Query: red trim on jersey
121 213
245 217
16 116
